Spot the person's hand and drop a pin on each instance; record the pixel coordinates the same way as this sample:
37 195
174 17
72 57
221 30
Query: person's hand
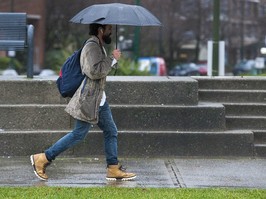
116 54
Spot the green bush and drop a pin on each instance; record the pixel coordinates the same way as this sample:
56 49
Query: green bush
127 67
5 62
56 58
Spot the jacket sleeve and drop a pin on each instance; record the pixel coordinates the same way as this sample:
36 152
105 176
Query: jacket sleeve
94 63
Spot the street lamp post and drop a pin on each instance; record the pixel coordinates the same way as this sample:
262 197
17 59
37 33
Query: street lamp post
216 29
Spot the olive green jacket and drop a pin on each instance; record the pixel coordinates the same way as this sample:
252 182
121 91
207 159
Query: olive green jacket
95 64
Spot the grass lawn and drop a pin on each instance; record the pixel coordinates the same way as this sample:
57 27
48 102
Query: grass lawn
145 193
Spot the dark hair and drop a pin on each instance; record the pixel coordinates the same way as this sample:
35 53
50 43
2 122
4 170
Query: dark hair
94 28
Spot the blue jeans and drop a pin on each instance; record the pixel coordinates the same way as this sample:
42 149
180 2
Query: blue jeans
106 124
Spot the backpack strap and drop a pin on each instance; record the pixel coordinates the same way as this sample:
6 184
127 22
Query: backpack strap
86 77
89 40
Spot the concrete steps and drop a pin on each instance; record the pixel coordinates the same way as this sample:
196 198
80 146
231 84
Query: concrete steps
260 150
135 143
260 143
244 99
155 116
232 96
232 83
260 137
246 122
152 90
245 116
245 109
127 117
120 90
27 91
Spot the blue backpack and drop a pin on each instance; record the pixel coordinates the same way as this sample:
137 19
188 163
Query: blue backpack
70 75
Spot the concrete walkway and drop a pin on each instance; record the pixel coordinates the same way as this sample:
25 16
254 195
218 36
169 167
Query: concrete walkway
166 172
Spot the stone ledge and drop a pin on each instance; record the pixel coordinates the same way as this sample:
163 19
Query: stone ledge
135 143
120 90
208 117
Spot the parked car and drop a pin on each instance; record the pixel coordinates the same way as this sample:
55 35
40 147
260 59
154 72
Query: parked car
203 69
154 65
188 69
244 66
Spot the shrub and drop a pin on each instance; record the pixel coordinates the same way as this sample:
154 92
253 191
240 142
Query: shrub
6 61
127 67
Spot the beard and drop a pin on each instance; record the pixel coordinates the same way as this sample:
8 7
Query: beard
107 39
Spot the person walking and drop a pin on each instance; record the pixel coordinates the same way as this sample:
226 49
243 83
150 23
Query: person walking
89 106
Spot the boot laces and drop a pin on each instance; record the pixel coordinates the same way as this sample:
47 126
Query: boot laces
122 168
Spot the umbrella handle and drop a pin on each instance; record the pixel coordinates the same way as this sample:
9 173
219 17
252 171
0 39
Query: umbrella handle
116 45
116 36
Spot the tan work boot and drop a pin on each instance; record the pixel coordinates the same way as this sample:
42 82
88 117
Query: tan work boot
116 172
39 163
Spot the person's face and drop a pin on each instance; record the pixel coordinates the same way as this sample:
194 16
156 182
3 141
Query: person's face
107 32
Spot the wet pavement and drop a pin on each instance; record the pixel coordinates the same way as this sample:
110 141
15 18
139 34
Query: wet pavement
155 172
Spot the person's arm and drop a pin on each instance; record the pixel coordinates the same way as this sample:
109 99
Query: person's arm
94 64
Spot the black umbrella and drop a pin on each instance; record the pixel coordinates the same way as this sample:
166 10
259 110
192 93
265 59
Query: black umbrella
116 14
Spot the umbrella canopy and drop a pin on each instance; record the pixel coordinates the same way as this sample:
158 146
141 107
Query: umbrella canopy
116 14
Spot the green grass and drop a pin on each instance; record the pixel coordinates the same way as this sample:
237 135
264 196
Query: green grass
127 193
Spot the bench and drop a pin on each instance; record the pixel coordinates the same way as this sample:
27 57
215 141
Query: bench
16 35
